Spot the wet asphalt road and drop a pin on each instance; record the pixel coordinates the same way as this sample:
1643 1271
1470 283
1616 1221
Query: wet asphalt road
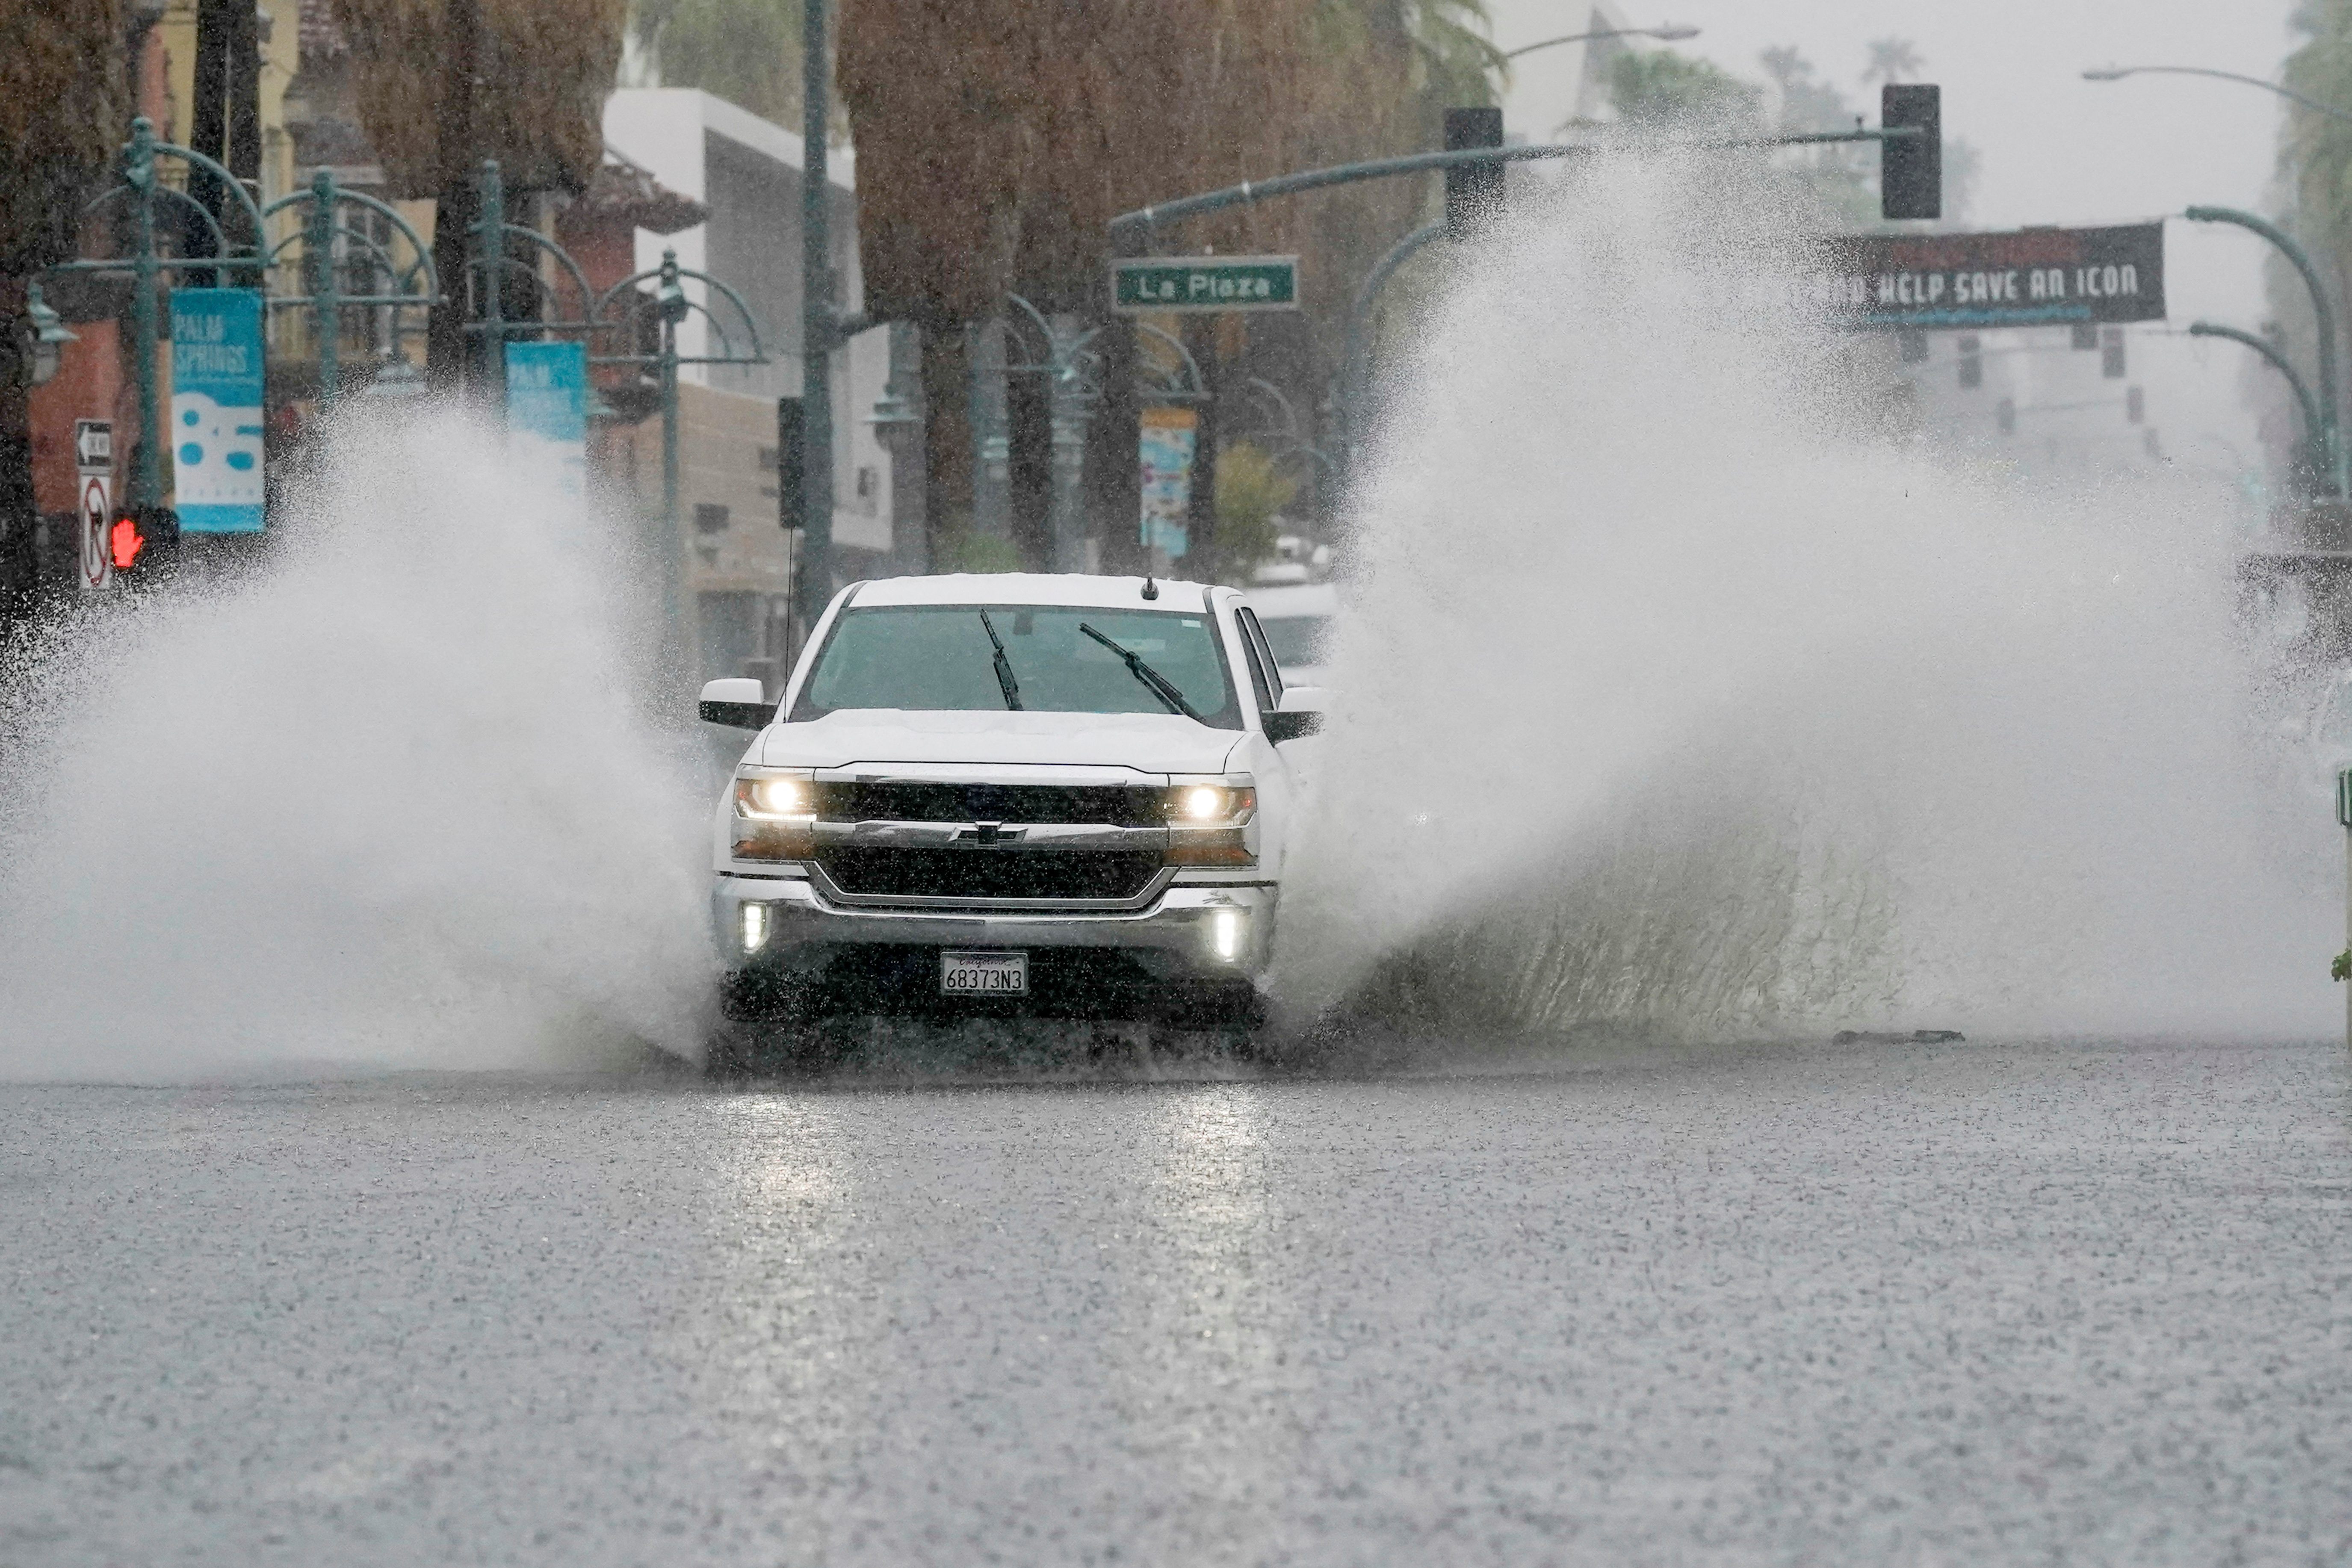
1874 1305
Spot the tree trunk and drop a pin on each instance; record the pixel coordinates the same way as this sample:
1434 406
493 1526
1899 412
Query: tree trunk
457 205
947 441
1029 422
1113 470
1200 560
207 126
19 518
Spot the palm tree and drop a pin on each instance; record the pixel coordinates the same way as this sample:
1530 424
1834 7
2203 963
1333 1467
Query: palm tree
2316 165
540 69
1892 60
63 104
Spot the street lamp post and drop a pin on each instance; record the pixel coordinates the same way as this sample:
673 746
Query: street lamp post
2314 429
1666 32
2115 73
2331 447
820 323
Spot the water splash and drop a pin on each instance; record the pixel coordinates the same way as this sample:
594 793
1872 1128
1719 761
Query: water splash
392 799
1688 694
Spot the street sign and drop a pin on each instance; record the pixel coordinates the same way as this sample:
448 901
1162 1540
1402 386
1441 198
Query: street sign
2021 278
216 445
95 514
94 446
1149 285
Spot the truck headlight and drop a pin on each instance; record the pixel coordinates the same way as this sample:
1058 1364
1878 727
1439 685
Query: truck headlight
1206 818
1206 805
755 927
771 798
776 815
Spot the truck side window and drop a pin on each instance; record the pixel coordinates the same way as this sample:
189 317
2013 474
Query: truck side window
1250 657
1264 653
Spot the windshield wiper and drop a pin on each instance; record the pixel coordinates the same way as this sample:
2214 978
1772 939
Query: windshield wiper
1158 684
1004 682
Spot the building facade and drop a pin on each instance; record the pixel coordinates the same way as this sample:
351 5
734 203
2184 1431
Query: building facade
736 560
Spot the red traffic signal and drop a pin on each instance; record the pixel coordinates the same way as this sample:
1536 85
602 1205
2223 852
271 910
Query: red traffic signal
124 541
143 542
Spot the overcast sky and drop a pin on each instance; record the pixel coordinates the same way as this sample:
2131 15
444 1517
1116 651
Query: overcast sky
2052 148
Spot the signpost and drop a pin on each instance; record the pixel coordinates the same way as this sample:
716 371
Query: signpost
94 506
97 511
2022 277
1151 285
217 397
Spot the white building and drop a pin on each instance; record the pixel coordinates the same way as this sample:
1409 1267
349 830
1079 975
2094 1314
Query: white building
736 560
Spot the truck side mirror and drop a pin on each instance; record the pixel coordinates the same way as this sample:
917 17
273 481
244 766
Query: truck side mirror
1301 714
738 703
1292 725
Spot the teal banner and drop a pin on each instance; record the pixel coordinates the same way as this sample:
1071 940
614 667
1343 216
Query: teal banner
216 394
547 409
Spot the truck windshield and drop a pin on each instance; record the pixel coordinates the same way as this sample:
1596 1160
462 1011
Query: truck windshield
938 659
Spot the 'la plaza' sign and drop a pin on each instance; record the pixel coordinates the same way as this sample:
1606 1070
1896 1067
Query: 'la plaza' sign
2022 277
1149 284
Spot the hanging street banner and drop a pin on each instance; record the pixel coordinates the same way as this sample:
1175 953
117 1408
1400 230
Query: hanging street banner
216 364
1149 285
547 410
2024 277
1164 450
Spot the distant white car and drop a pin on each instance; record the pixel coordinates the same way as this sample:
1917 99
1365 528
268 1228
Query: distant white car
1010 793
1298 620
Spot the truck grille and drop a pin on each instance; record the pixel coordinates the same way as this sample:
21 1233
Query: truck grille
1113 805
977 873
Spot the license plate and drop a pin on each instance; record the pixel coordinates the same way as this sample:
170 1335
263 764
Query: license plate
984 975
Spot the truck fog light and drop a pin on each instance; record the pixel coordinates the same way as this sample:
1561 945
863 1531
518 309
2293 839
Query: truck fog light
1226 928
755 927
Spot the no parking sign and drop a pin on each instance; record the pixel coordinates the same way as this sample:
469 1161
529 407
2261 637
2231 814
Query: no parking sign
95 512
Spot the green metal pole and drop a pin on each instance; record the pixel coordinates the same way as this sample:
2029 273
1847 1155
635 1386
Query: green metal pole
819 323
670 402
2332 452
138 174
493 232
326 302
2313 428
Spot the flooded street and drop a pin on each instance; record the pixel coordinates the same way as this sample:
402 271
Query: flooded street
1866 1304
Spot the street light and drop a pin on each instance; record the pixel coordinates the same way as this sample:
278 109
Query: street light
50 335
2116 73
1665 32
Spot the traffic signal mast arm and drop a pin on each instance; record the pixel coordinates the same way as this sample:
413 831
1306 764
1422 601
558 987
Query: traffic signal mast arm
1150 218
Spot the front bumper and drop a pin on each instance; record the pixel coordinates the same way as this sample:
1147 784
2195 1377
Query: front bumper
1212 932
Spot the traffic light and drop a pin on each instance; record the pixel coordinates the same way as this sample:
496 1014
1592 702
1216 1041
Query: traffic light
1474 192
1971 361
143 544
2110 354
1911 168
2004 414
791 492
2134 404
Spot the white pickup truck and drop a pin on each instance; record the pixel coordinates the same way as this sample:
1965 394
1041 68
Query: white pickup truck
1063 796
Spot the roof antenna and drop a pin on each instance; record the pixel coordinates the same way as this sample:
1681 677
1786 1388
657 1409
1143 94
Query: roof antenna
1151 588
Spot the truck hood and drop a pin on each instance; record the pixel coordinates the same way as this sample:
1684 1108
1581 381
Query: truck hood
1147 742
